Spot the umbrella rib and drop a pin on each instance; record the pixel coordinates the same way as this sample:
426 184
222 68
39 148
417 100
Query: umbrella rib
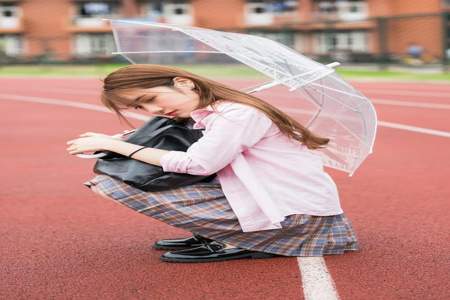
237 54
187 32
324 95
315 79
271 83
345 127
144 52
339 91
230 54
339 101
319 107
314 118
155 24
353 134
333 162
276 82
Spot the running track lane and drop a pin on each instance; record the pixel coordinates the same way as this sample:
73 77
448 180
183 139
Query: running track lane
400 229
61 241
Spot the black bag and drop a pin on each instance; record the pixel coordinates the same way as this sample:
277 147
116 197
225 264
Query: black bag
161 133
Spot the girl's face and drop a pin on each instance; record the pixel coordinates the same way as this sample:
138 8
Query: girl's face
175 101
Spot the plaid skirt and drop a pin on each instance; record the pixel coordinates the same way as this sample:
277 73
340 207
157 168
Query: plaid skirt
203 209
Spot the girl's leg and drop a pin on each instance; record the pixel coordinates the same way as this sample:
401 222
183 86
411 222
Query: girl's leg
203 210
99 192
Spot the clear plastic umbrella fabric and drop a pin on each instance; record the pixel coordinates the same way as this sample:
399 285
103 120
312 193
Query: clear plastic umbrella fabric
308 91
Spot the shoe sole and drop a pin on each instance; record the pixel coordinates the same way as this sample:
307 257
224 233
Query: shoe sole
200 260
156 247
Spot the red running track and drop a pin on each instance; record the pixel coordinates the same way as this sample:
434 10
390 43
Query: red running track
59 240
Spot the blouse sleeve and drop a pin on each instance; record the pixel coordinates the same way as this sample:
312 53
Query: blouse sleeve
227 135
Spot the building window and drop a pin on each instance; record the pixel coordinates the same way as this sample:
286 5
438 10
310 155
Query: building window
11 45
257 13
152 11
175 12
341 9
96 9
8 10
272 6
352 10
325 7
284 6
257 7
91 13
93 44
352 41
262 12
9 15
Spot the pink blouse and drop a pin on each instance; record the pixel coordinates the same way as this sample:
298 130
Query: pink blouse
264 175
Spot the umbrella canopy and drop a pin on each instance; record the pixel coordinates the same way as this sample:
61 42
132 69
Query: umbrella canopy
316 96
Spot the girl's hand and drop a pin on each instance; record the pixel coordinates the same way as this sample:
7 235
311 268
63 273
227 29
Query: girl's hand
90 141
117 136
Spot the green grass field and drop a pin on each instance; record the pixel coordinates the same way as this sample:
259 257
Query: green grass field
225 71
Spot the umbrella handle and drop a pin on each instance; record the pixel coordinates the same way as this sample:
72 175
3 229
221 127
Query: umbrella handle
333 64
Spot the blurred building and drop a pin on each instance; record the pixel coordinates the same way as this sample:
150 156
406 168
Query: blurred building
74 29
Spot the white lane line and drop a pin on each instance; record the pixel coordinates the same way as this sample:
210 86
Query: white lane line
316 280
83 91
411 104
397 92
441 133
369 90
91 92
70 103
145 118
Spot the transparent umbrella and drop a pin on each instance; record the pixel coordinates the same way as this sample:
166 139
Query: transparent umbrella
308 91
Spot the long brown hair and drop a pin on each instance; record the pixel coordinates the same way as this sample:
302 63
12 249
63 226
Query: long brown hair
209 91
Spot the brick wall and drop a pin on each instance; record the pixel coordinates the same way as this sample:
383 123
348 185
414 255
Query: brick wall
47 24
45 27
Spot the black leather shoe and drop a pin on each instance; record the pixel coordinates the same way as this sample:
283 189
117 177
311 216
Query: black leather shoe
213 251
182 243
